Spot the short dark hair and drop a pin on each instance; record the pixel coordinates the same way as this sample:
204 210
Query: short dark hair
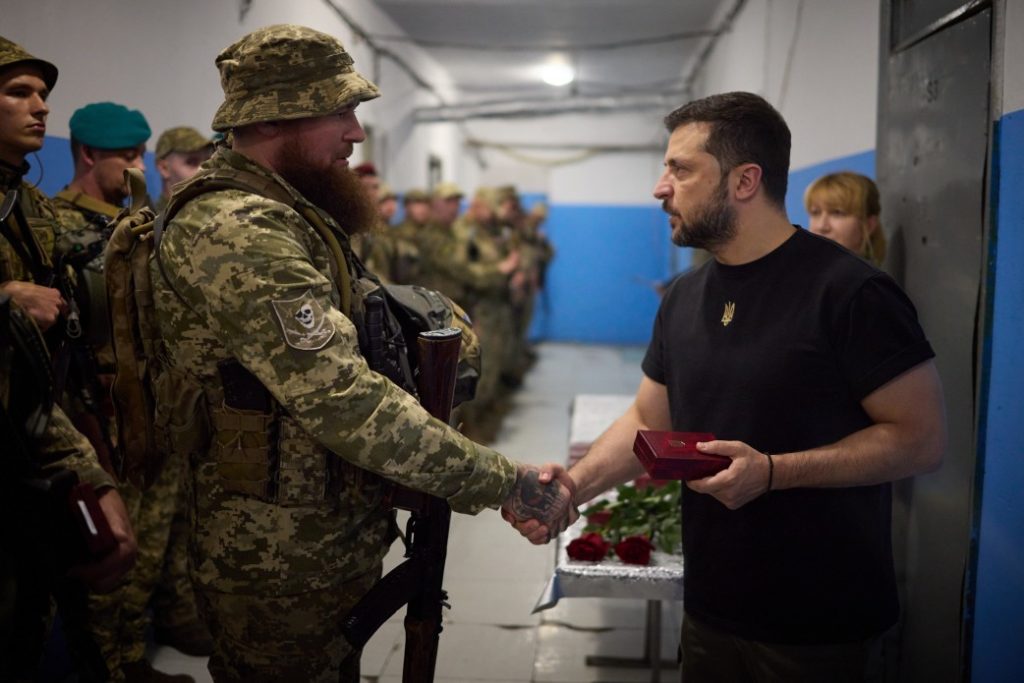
744 129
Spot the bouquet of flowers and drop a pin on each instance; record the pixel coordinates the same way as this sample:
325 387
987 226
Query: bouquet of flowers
642 516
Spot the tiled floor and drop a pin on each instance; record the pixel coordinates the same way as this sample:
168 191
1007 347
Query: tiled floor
494 577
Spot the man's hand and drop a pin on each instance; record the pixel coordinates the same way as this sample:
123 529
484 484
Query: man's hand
104 575
745 479
541 503
43 304
507 265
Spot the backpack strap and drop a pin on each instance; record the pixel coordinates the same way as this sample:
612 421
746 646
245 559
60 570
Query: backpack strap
84 201
265 187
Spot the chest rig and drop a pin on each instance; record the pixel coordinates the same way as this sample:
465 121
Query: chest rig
252 437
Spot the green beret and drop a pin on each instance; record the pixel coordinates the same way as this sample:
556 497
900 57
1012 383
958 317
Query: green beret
183 139
105 125
11 54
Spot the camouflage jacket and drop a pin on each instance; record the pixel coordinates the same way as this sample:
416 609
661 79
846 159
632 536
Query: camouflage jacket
61 445
447 267
247 278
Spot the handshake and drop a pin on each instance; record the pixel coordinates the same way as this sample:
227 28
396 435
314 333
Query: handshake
541 504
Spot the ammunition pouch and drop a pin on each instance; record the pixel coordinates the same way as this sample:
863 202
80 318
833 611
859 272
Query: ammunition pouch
181 422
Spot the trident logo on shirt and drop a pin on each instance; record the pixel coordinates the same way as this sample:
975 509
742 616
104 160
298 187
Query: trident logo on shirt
727 314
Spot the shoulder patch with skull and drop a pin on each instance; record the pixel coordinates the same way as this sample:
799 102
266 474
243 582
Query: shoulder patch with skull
303 322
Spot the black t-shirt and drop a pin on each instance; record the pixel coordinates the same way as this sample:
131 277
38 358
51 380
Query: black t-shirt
812 330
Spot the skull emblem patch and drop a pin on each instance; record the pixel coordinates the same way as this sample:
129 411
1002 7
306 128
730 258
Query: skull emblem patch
304 322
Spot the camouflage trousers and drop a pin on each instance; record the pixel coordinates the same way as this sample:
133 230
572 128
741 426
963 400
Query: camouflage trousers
259 638
492 321
119 620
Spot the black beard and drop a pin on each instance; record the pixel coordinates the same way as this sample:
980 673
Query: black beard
713 226
338 192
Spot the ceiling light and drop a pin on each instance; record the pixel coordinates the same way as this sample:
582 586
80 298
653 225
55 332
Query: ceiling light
557 73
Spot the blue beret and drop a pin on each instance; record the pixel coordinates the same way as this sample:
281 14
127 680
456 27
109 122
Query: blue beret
106 125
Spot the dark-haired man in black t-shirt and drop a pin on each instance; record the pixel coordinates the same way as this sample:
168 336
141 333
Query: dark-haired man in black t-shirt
810 367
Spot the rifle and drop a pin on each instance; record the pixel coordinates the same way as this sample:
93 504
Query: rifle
417 581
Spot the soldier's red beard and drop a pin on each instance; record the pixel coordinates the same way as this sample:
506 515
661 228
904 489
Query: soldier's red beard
336 189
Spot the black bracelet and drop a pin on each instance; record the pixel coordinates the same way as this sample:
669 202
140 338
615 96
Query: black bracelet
771 471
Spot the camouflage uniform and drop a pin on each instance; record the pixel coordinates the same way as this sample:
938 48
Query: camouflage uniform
490 309
180 140
289 527
60 445
119 620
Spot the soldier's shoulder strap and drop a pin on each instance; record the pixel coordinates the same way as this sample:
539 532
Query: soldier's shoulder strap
236 179
84 201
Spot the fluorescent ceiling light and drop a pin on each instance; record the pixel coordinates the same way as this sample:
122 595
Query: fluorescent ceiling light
557 73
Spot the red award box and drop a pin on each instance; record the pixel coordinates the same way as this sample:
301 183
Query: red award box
674 455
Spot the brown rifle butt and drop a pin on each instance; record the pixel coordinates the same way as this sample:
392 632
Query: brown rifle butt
438 363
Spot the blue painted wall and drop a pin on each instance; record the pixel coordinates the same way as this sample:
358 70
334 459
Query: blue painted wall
52 167
600 285
998 579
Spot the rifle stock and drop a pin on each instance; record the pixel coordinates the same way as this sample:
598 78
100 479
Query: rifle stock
417 581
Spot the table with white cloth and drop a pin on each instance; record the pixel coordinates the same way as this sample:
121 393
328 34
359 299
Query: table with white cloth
611 578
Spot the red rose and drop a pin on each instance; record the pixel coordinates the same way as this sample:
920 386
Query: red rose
590 547
634 550
599 518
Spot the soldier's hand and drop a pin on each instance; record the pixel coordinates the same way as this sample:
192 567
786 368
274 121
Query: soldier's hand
43 304
541 505
105 574
509 263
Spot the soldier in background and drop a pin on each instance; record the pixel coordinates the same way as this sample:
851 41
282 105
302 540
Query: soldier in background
27 238
490 307
106 139
262 306
522 231
179 153
387 204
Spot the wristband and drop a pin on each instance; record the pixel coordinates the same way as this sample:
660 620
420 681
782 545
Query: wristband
771 471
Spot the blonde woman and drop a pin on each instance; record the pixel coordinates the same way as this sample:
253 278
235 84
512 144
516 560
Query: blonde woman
844 207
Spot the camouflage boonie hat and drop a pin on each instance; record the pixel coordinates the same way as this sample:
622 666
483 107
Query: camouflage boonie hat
183 139
285 72
385 192
448 190
11 53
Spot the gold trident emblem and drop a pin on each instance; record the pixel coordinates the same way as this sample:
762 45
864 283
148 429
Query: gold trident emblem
728 313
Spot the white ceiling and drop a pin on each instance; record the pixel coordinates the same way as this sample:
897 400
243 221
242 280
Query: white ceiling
493 49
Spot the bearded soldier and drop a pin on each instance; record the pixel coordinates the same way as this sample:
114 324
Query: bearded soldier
263 309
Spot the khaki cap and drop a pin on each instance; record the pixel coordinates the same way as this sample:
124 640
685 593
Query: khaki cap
11 53
386 192
286 72
183 139
448 190
416 195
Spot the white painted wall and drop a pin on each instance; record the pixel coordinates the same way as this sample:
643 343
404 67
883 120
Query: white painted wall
821 72
579 174
158 57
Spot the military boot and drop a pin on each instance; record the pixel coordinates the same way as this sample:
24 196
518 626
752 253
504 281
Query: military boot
143 672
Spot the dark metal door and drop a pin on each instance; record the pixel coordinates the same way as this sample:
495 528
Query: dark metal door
932 149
